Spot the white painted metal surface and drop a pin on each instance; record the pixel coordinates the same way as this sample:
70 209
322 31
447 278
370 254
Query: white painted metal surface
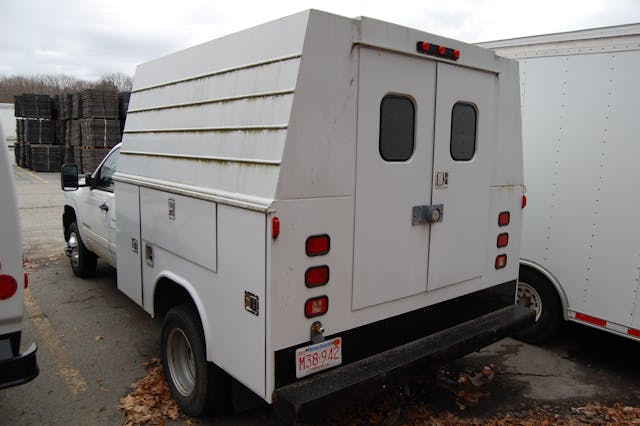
579 102
12 309
282 120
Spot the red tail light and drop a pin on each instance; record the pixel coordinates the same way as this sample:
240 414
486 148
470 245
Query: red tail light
504 218
318 245
316 276
8 286
316 306
524 201
501 261
503 240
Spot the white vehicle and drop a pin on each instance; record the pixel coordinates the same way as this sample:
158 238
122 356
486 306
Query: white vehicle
16 368
8 123
580 248
313 193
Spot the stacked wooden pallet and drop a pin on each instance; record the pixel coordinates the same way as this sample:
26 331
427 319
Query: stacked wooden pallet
45 158
100 132
35 126
68 128
30 105
100 103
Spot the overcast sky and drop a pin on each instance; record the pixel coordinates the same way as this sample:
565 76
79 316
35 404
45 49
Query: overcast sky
89 38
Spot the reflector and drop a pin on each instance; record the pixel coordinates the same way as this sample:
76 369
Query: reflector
8 287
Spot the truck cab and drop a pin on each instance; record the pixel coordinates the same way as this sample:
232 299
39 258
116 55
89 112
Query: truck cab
89 215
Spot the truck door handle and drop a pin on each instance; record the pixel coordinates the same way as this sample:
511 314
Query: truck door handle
104 207
427 214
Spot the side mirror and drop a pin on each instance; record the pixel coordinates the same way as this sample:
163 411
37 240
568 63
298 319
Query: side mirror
69 177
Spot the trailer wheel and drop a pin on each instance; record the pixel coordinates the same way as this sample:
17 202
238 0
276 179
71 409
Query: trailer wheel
537 293
83 262
184 359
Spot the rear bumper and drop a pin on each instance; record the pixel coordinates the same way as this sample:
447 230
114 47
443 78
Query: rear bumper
290 400
16 368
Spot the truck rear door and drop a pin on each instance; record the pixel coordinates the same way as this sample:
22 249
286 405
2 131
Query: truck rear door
464 133
393 174
424 141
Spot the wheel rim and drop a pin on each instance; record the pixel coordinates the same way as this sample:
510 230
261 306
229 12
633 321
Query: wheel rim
182 365
75 250
530 298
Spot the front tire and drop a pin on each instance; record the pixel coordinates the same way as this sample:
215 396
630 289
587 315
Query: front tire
83 262
536 292
184 359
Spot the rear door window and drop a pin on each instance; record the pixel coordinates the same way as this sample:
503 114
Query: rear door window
397 128
463 131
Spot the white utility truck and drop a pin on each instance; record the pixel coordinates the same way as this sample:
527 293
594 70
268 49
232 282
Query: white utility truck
313 193
16 368
581 241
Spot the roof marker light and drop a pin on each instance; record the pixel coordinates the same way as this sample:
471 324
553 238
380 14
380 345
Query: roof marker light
437 50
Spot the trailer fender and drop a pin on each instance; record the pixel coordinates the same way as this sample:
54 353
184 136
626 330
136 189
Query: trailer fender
553 280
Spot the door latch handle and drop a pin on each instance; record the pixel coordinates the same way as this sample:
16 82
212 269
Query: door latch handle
427 214
104 207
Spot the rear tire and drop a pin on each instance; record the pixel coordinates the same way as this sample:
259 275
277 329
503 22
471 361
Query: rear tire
83 262
536 292
184 359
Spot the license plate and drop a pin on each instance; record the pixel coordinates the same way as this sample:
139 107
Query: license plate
318 357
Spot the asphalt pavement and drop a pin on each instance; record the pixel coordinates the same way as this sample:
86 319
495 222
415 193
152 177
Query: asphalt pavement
93 343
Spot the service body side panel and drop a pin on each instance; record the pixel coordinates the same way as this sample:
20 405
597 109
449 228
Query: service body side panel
216 252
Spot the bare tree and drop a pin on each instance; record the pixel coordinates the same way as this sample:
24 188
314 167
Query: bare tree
53 84
120 81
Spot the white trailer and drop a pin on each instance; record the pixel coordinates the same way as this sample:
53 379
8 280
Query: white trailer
16 367
313 193
8 123
581 240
